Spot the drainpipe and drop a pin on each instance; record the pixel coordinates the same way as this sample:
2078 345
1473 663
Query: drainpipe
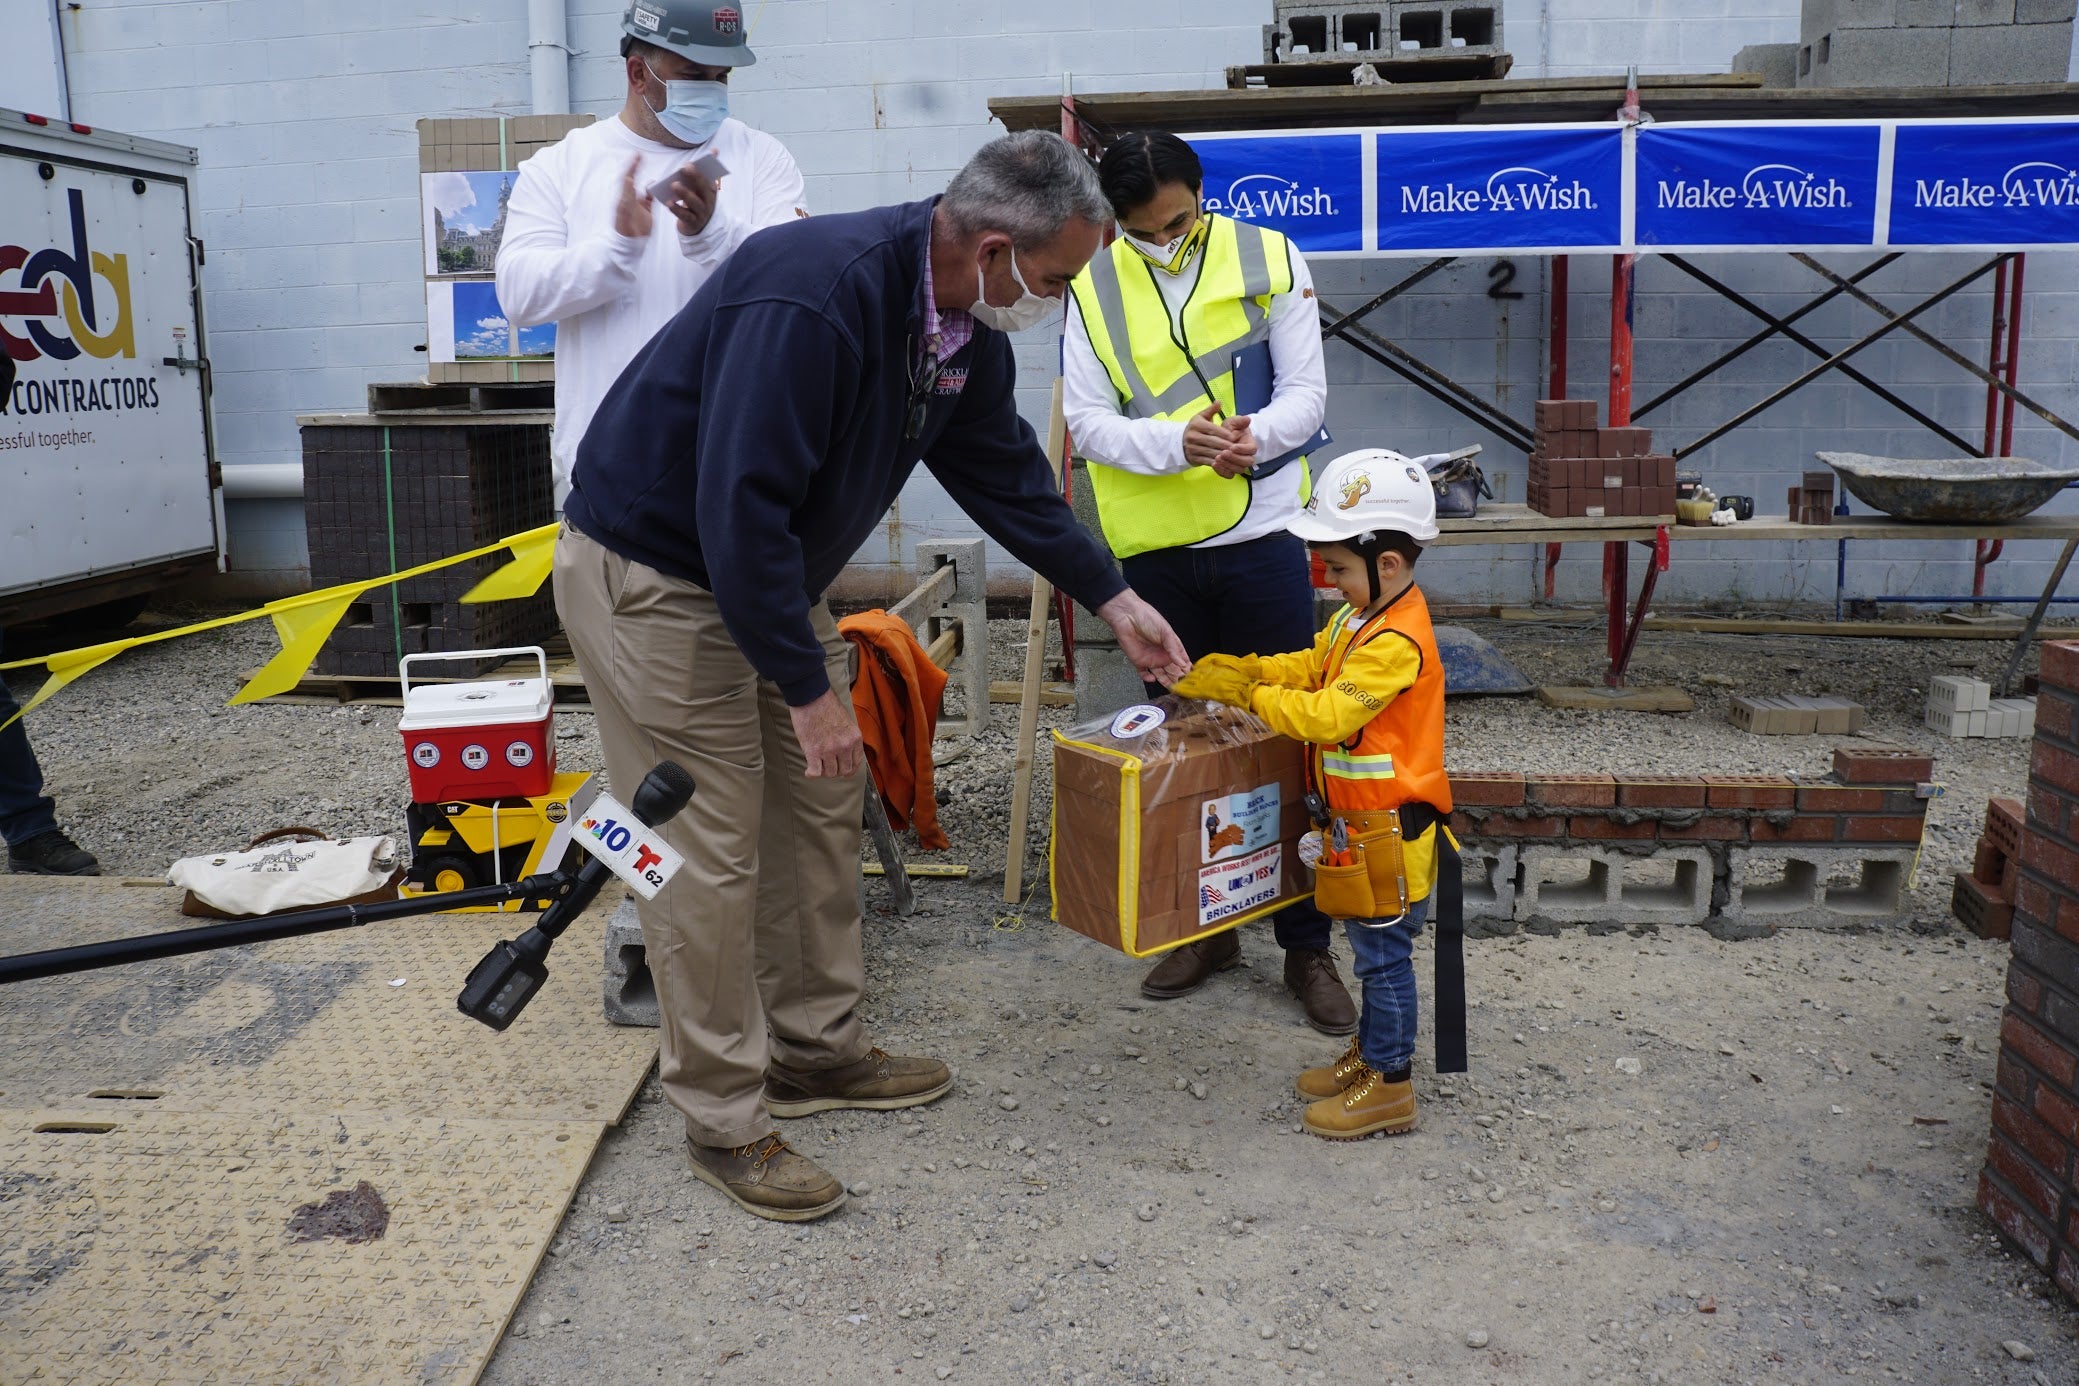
263 481
548 49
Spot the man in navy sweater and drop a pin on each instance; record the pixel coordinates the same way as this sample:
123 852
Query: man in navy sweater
728 477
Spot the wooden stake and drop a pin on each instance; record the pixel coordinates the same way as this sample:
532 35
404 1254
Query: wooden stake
1029 694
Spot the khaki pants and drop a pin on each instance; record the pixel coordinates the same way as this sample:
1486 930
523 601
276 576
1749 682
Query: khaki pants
755 944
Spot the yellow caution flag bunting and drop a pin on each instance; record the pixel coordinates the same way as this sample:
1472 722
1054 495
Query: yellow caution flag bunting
303 624
533 553
66 667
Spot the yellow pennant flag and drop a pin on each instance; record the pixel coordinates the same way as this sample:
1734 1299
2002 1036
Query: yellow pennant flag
533 554
303 624
68 666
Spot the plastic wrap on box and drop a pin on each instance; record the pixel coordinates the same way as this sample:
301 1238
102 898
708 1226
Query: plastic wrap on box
1173 821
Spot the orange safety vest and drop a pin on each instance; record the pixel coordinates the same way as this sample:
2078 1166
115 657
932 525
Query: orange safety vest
1398 757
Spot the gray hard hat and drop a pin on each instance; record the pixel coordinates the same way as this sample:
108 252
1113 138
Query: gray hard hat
711 35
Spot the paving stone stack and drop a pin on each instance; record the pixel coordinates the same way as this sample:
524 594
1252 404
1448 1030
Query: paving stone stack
1984 896
1579 470
1741 855
2030 1183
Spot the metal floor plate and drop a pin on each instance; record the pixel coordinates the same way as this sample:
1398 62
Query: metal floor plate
161 1246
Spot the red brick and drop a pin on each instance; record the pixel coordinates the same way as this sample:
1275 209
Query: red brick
2024 991
2033 900
1750 791
1989 864
2057 715
1464 825
2036 1140
2040 1193
1806 827
1834 798
1594 828
2048 1057
2067 1272
2054 765
2058 1113
1501 825
2013 1220
2041 852
1712 827
1571 791
1661 791
2005 821
1484 789
2051 812
1882 765
2012 1077
1980 911
1880 829
2061 664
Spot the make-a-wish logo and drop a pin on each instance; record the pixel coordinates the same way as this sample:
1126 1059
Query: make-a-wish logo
1508 190
2035 184
1264 196
1765 187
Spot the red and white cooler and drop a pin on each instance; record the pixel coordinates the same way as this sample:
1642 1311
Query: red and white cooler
487 740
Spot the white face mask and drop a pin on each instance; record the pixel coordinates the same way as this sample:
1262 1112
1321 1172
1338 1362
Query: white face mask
1029 311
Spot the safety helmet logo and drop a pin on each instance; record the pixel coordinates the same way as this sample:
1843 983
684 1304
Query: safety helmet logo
728 21
1355 489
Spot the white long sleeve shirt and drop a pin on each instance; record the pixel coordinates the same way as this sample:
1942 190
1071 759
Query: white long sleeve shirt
1155 447
561 260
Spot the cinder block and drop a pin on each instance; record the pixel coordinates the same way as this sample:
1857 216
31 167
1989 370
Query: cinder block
2045 11
1816 887
1997 54
1105 679
1492 872
1776 62
1953 693
1588 885
1971 13
631 993
1847 57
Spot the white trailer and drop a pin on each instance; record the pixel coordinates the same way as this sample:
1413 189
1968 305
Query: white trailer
109 487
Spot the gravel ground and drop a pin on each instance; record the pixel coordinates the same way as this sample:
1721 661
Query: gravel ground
1772 1185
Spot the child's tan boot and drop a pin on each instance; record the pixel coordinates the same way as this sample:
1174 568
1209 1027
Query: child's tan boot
1368 1106
1317 1083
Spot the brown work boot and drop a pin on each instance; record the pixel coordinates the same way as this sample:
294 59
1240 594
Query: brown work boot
877 1083
767 1178
1311 976
1317 1083
1368 1106
1185 970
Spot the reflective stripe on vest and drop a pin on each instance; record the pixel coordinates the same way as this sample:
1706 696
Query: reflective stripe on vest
1241 269
1398 757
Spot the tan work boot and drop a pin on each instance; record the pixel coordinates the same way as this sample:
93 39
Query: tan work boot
1317 1083
767 1178
1186 969
877 1083
1370 1105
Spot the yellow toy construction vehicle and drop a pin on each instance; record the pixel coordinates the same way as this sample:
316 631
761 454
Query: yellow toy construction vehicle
467 843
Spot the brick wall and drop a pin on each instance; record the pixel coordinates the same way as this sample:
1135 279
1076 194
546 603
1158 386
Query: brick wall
2030 1184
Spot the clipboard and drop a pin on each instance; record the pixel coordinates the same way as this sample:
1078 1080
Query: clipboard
1253 380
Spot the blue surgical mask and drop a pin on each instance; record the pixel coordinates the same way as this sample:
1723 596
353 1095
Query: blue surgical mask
693 111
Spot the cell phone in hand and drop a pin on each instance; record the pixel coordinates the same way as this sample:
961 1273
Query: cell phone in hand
708 166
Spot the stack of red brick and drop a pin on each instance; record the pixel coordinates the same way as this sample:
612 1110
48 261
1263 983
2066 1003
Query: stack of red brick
2030 1184
1813 502
1870 798
1984 896
1580 470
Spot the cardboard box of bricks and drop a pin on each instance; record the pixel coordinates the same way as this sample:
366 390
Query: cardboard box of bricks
1173 821
489 144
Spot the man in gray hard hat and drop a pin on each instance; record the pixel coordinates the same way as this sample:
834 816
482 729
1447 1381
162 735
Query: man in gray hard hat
587 246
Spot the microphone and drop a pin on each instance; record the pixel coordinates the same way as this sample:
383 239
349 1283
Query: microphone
500 986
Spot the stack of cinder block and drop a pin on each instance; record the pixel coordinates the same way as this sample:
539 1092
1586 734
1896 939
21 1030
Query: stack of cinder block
1741 855
1930 43
2030 1183
1793 714
1984 896
1812 502
1961 707
1582 471
1381 29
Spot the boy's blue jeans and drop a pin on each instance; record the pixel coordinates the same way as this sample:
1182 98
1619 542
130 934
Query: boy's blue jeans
1385 970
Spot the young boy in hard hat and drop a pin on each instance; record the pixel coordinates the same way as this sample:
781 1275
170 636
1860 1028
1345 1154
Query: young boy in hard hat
1369 697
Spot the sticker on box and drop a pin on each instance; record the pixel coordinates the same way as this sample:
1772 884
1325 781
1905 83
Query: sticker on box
1239 824
1138 720
1235 888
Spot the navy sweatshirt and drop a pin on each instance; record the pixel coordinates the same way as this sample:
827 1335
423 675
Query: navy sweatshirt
757 440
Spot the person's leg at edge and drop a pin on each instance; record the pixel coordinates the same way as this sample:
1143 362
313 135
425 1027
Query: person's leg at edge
28 818
811 967
666 682
1379 1097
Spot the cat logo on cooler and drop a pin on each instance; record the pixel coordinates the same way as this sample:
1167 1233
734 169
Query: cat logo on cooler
475 757
425 755
519 755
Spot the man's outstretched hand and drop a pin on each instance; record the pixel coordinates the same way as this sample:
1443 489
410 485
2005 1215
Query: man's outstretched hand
1146 638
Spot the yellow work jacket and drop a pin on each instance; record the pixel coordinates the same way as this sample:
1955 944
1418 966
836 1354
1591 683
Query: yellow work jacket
1369 697
1150 358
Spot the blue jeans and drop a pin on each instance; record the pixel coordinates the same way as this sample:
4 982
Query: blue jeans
24 811
1239 599
1386 972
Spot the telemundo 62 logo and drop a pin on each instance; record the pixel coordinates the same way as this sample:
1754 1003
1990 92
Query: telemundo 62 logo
72 300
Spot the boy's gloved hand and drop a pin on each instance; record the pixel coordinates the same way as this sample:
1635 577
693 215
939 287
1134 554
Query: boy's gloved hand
1220 679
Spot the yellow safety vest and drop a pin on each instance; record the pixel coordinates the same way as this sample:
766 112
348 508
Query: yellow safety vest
1243 267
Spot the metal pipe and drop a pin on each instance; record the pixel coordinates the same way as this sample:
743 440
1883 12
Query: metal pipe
2035 620
548 53
1936 601
1557 293
264 481
2013 355
1992 358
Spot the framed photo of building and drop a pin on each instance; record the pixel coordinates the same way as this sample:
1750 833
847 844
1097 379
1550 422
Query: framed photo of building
464 220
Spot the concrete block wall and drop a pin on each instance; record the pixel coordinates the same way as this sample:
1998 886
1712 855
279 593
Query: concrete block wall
2029 1186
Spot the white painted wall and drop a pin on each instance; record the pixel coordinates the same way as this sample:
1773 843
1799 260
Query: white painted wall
29 70
304 113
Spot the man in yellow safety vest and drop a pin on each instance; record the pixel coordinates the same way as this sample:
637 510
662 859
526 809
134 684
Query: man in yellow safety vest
1192 384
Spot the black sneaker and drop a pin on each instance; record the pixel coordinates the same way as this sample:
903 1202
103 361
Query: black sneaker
51 854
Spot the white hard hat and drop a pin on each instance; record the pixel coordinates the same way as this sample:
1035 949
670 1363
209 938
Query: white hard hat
1366 491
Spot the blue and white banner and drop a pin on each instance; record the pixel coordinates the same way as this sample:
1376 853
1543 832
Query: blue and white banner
1505 189
1773 187
1679 186
1985 184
